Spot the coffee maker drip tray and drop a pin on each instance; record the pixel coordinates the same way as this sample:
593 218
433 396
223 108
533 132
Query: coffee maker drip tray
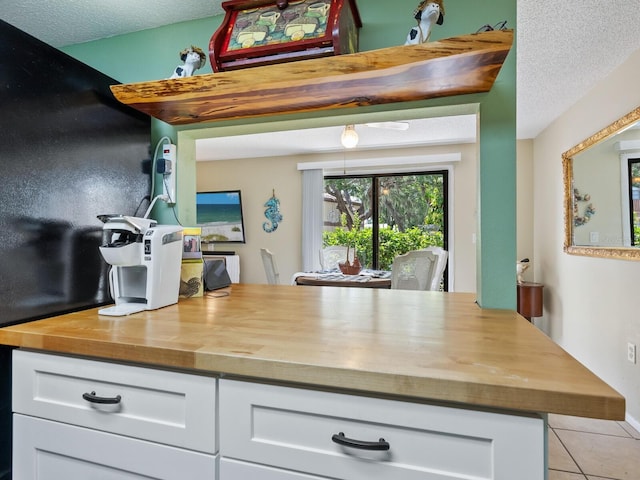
123 309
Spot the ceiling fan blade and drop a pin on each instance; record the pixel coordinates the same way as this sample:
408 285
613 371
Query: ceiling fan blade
389 125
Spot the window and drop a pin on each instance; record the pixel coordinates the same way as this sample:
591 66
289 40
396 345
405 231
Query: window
634 199
386 215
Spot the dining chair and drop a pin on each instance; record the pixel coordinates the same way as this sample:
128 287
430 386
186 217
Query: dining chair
331 256
443 256
414 270
270 268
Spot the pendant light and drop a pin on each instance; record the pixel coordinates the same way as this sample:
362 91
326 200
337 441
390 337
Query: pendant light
349 137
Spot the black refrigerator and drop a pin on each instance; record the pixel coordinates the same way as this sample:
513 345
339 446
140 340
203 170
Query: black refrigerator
68 153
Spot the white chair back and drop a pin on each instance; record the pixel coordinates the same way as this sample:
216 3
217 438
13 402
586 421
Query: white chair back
443 255
270 268
414 270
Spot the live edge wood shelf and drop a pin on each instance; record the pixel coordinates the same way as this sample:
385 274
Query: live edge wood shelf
454 66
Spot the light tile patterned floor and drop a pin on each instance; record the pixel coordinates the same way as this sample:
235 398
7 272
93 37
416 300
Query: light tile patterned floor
588 449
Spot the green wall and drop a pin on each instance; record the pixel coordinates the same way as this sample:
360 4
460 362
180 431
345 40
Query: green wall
153 54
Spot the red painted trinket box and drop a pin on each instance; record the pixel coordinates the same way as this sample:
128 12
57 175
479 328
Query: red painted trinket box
262 32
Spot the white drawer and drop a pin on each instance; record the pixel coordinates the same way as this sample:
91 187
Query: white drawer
236 470
46 450
166 407
293 428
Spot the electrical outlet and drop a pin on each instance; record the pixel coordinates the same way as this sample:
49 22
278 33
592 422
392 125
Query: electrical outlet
631 352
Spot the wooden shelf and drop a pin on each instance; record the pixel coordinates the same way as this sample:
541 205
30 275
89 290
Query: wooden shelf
530 299
454 66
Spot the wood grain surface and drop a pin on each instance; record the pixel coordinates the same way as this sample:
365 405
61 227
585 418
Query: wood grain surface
454 66
431 346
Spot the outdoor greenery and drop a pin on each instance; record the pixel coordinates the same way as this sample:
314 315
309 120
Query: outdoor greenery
392 242
635 185
404 200
411 215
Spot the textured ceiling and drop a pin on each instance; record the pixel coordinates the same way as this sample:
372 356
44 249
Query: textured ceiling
564 47
66 22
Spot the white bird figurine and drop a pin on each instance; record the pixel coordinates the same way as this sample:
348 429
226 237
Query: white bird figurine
521 267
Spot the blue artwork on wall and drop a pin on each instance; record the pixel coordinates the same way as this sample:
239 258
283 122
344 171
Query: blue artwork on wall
272 213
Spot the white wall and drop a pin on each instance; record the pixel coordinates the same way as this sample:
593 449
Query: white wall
525 205
591 306
258 179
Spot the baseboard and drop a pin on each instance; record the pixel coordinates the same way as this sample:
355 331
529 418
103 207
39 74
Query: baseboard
633 422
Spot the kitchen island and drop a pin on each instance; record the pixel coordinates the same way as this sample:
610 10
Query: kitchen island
414 349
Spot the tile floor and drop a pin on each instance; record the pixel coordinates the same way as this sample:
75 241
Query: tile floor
588 449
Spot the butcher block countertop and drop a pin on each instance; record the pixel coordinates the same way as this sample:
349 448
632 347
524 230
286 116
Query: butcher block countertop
416 345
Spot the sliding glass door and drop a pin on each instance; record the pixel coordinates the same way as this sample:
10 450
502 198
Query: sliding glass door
386 215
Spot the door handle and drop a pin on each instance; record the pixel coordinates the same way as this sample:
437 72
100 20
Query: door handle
340 439
93 398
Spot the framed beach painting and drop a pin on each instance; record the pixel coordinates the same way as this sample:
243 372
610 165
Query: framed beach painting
219 215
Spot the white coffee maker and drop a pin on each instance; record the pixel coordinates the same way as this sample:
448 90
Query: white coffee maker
145 263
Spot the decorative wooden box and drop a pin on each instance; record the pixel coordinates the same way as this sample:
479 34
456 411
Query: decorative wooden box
262 32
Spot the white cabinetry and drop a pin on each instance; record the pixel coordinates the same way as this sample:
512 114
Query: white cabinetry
235 470
76 419
47 450
296 430
75 416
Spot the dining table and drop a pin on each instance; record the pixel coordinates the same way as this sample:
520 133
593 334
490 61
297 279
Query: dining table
366 279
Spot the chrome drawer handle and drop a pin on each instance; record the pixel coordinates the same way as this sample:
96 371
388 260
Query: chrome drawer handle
93 398
361 444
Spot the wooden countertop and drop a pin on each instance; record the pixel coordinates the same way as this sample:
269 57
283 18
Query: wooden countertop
423 345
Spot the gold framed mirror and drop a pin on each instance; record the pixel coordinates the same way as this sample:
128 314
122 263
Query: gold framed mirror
602 192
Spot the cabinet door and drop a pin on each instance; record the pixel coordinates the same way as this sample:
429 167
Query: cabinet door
361 438
46 450
160 406
234 470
